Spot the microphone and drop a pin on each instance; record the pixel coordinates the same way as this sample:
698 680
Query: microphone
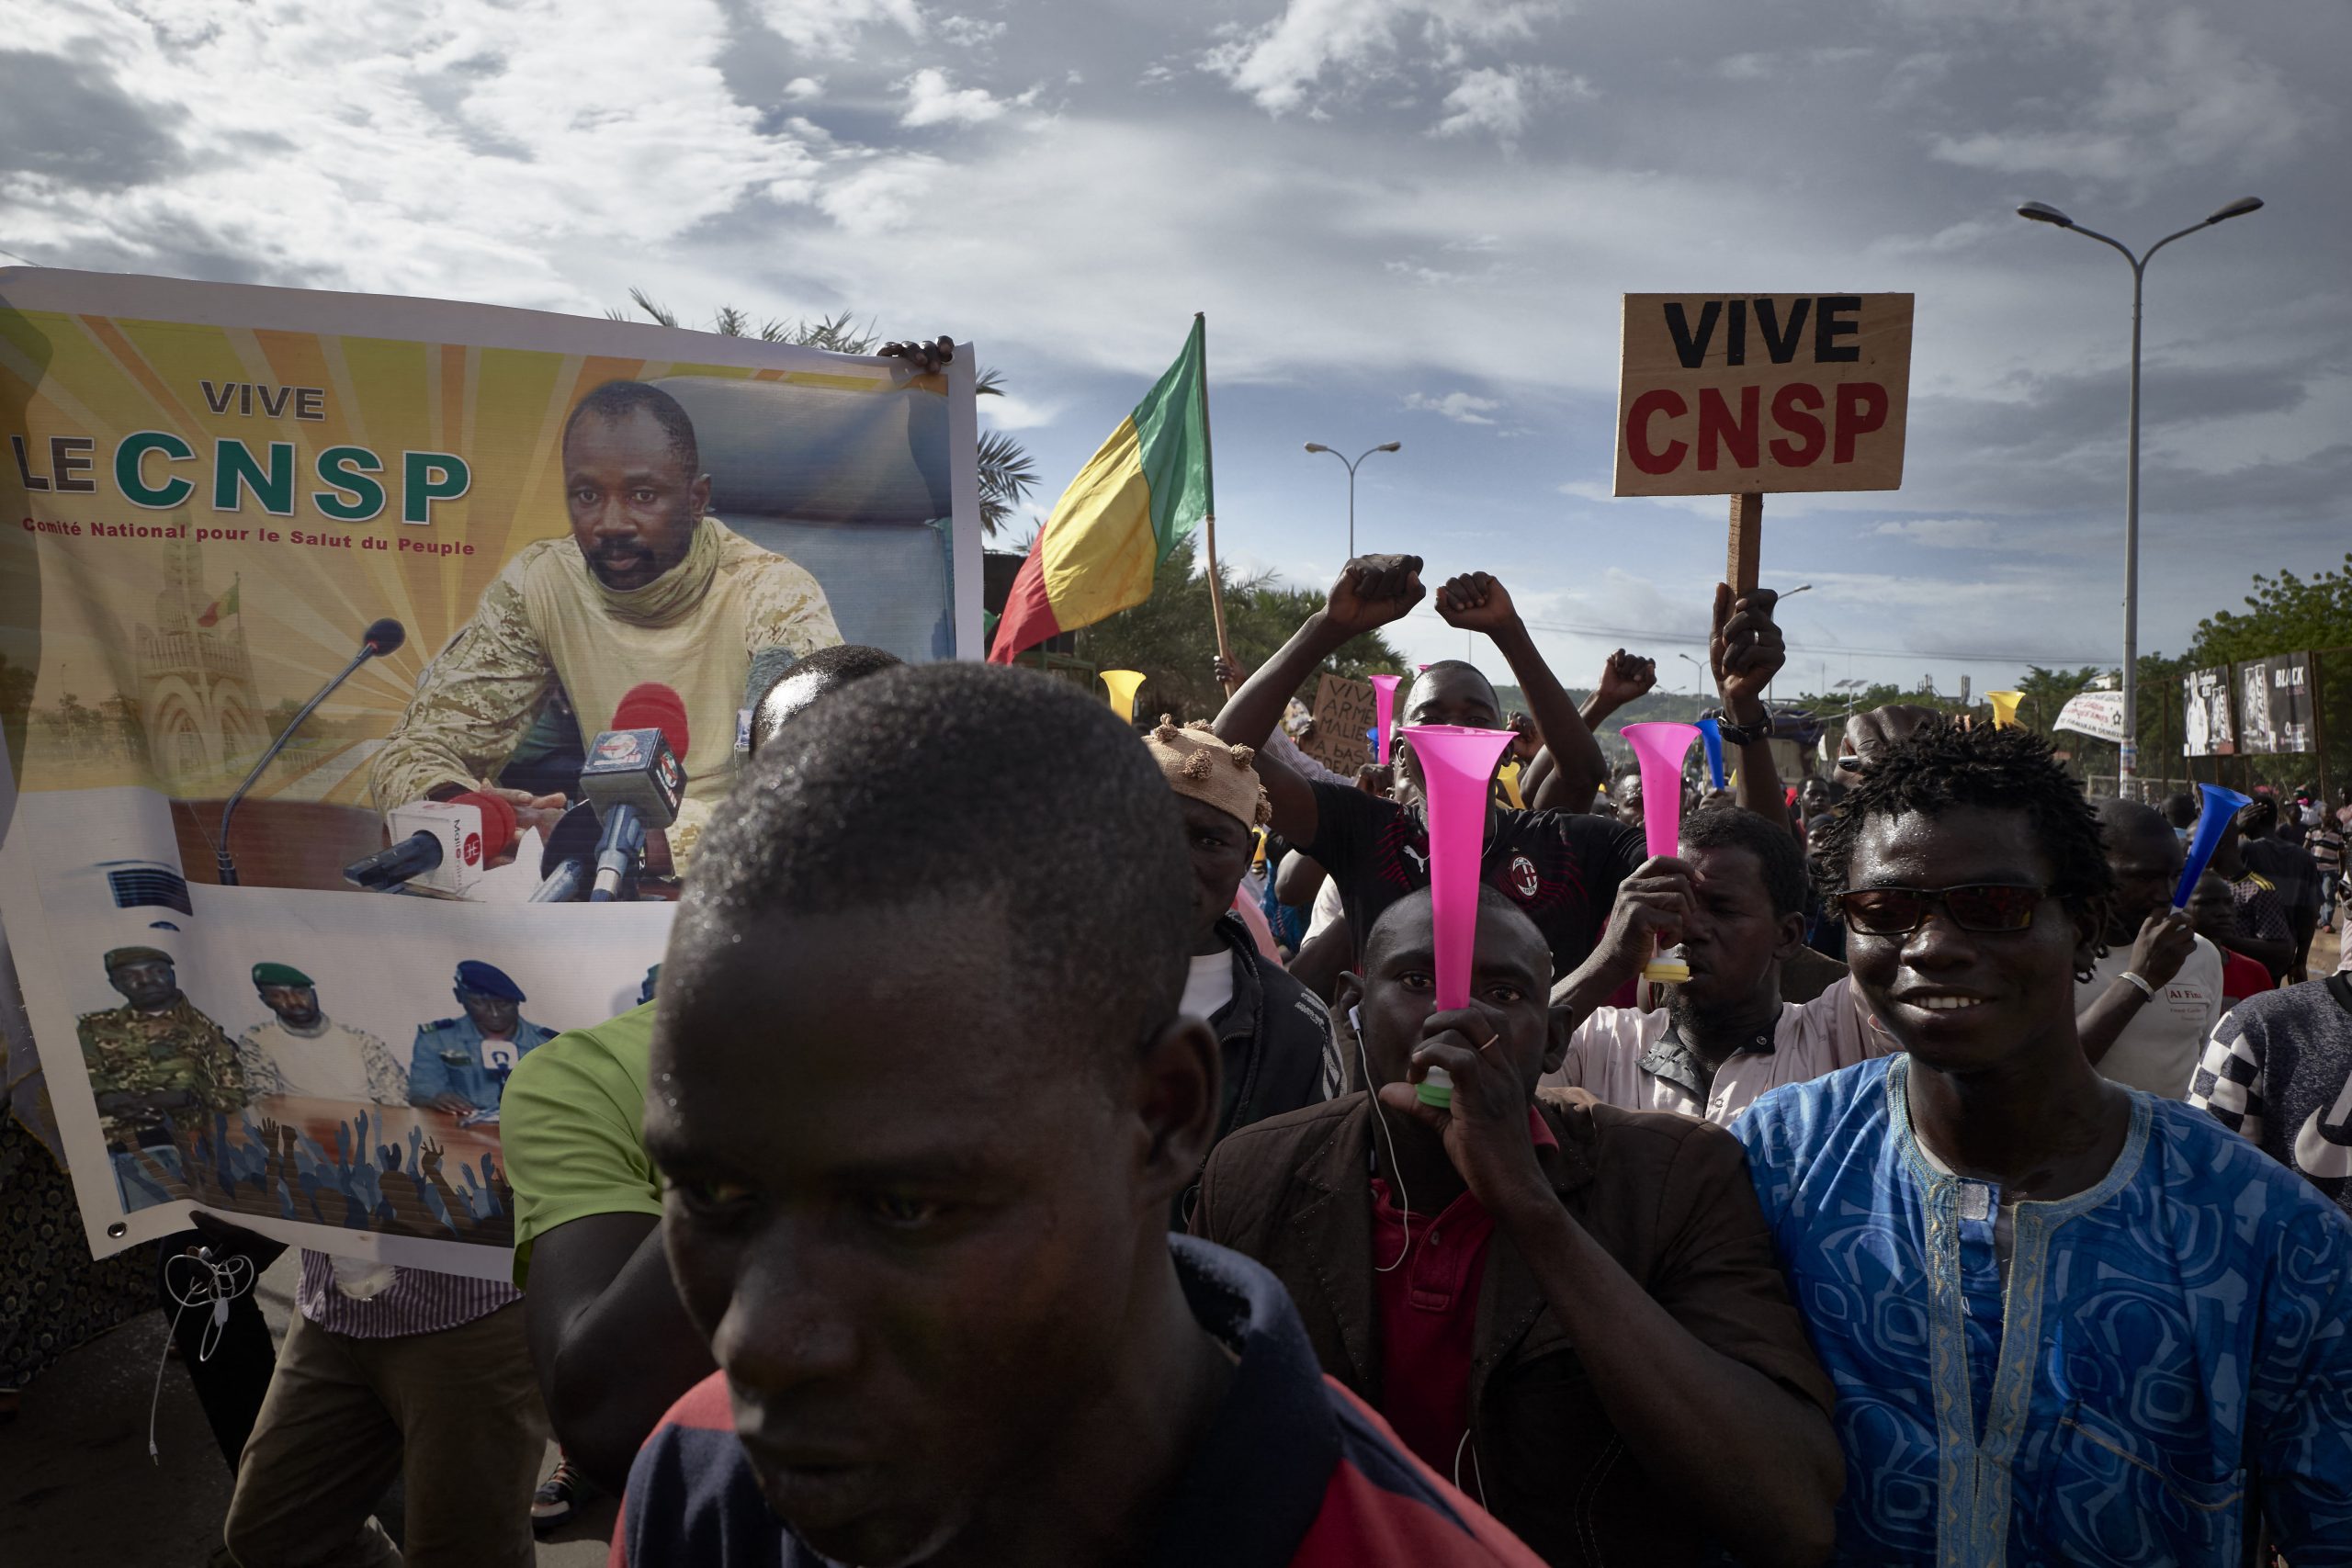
634 779
380 638
444 845
568 861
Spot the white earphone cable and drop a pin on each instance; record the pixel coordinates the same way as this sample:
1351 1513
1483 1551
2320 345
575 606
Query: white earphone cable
1403 1198
216 1282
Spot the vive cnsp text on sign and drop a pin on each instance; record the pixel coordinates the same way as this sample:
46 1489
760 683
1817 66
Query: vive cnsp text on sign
1735 392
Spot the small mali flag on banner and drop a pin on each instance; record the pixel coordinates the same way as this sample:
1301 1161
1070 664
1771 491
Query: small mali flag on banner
1149 484
223 606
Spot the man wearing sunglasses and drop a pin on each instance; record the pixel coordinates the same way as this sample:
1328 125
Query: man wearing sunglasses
2069 1321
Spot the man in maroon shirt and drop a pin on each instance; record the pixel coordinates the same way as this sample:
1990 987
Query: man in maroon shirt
1572 1310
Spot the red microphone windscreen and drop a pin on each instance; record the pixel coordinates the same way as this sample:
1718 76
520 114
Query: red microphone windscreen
653 705
497 821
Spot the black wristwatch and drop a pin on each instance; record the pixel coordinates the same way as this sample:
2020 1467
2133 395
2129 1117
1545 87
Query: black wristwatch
1747 734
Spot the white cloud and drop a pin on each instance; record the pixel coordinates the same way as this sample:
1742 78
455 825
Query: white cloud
2172 92
1493 101
801 89
1280 64
1460 407
1500 102
933 98
969 32
1429 276
418 153
879 195
1009 411
834 28
1770 64
1941 533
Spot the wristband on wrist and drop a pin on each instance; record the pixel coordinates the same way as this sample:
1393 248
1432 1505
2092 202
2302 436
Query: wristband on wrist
1745 734
2139 980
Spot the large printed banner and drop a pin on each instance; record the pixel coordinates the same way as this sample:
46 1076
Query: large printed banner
519 528
2275 704
2098 714
2207 727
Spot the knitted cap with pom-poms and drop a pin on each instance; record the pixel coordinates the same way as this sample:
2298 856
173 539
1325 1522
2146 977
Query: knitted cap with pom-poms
1195 763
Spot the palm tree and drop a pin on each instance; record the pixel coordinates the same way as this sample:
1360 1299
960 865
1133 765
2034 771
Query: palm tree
1007 471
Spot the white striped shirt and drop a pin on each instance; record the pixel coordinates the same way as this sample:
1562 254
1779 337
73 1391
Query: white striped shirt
1623 1057
416 1301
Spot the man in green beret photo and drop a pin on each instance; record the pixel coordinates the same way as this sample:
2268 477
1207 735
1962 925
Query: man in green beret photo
151 1060
302 1051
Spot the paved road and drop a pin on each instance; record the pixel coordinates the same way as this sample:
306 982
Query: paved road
77 1489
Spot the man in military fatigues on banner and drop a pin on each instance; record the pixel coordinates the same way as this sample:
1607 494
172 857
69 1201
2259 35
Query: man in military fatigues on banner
644 587
302 1051
154 1063
460 1063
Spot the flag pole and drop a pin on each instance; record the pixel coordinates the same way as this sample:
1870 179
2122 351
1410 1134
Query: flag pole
1208 473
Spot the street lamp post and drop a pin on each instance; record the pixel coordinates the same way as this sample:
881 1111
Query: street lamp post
2127 765
1383 446
1699 677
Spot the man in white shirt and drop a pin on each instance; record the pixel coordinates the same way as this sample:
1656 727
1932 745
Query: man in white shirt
302 1051
2152 998
1736 899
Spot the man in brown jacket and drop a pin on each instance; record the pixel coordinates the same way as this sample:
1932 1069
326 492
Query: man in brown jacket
1570 1309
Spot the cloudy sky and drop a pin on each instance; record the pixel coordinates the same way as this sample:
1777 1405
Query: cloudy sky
1408 219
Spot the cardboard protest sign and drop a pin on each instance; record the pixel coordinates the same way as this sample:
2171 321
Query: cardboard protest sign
1344 710
1724 394
211 490
2207 729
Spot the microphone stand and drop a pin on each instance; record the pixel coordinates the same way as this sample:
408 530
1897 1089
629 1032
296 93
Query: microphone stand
224 863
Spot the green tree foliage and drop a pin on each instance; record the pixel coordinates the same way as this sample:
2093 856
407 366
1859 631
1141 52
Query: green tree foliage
1007 471
1171 637
2285 613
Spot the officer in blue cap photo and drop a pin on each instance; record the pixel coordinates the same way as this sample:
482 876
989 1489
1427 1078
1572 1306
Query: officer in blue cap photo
460 1063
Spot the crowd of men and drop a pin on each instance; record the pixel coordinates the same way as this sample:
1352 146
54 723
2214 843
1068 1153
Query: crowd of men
987 1181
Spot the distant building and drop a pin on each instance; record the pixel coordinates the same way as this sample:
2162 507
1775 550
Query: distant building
196 680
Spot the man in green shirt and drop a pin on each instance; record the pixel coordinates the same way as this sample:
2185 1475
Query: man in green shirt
613 1347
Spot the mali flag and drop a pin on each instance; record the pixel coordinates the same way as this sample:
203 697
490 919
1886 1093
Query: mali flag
1121 516
225 605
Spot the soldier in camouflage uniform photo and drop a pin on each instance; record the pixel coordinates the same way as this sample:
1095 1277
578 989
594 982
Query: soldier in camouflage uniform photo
156 1065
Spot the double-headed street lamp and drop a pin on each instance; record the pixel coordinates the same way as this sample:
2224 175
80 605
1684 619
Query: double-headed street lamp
2128 751
1383 446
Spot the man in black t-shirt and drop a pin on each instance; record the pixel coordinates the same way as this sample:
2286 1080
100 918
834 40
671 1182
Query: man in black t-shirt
2266 848
1560 867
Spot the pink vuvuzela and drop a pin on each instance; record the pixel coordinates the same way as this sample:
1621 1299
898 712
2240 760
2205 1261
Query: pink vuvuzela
1659 747
1384 709
1457 780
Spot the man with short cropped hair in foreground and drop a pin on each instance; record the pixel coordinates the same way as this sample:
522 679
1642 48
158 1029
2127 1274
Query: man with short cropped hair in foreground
921 1115
2069 1321
611 1345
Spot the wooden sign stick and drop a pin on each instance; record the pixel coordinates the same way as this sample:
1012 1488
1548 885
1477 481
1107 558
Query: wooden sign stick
1747 551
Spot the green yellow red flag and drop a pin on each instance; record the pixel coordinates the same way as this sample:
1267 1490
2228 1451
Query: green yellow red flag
1119 518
